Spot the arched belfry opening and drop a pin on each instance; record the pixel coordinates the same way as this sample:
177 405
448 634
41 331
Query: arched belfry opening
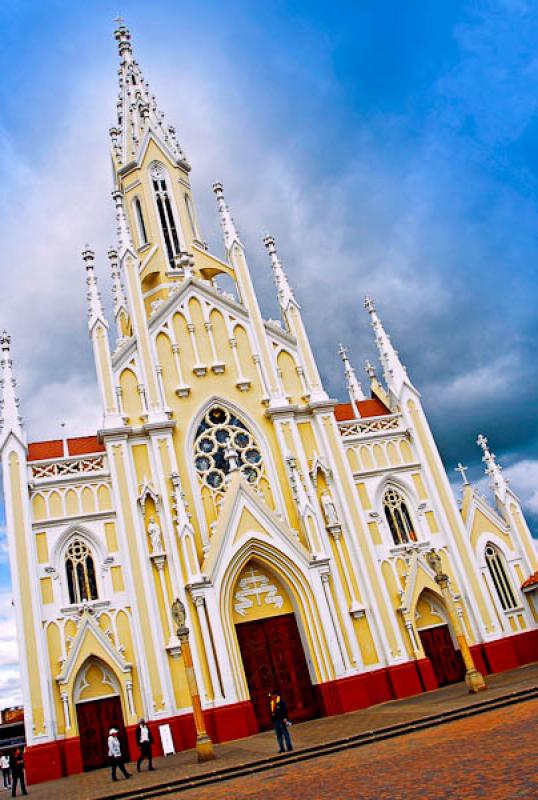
270 643
431 620
98 704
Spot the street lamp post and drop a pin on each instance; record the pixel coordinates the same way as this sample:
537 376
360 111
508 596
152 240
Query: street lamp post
473 677
204 745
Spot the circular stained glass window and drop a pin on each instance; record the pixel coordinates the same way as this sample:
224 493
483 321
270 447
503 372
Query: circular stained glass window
218 429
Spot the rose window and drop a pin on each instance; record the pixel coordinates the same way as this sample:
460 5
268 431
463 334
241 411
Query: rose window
219 432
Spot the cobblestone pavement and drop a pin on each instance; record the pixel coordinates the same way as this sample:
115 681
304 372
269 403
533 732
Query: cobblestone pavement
491 756
95 785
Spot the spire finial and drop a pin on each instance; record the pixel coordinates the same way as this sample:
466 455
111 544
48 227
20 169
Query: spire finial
226 220
393 369
230 454
122 34
118 293
353 386
122 229
280 279
499 483
95 307
10 415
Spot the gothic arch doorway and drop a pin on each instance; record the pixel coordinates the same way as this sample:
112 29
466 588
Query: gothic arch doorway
98 708
270 644
432 625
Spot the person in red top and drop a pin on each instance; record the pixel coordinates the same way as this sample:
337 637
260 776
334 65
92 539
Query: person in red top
16 763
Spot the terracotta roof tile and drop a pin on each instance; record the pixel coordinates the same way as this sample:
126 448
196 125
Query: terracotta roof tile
367 408
39 451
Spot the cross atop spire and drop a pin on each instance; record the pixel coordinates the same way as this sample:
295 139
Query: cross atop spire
463 472
393 369
280 279
137 109
353 386
10 416
226 220
95 307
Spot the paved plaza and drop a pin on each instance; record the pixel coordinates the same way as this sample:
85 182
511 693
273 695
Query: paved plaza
495 750
462 760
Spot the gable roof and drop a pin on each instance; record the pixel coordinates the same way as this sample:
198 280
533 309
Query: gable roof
367 408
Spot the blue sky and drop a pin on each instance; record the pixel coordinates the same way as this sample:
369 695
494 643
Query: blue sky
390 147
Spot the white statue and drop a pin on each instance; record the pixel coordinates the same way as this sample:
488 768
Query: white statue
155 535
329 509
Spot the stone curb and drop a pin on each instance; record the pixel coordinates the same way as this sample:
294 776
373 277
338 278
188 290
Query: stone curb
334 746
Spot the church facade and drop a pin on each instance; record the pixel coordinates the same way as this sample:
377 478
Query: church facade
294 528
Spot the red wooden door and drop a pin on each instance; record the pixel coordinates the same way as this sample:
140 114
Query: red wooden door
447 662
273 658
95 718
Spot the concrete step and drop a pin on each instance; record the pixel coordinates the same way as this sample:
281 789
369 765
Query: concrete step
325 748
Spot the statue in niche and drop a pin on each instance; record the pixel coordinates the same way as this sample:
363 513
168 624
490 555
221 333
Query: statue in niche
155 535
329 509
179 616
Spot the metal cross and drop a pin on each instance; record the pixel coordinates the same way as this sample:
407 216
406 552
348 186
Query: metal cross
462 470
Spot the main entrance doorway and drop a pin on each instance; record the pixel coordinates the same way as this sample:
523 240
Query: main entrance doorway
273 658
447 662
95 718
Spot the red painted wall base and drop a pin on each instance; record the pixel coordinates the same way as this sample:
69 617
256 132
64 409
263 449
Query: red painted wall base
54 760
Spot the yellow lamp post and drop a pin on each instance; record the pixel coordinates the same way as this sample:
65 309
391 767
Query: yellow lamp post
204 745
473 677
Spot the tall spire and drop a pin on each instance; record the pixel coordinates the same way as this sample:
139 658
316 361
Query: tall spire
11 418
393 369
137 109
228 225
353 386
95 307
284 290
498 482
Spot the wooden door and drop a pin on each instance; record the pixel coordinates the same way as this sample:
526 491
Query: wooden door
447 662
95 718
273 658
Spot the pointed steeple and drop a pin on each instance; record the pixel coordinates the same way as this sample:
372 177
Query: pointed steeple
226 220
284 290
11 418
353 386
137 109
498 482
393 369
95 306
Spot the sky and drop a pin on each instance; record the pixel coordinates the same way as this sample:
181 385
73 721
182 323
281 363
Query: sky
391 148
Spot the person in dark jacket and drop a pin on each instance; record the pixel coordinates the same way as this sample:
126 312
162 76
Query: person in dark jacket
16 763
279 718
144 740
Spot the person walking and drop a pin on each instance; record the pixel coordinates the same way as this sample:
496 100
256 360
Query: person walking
114 753
279 718
16 762
144 740
4 766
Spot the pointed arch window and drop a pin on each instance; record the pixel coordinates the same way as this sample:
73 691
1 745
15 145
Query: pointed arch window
165 213
219 430
140 224
398 518
80 572
499 575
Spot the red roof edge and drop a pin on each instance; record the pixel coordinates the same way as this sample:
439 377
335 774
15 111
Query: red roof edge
531 582
54 448
367 408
